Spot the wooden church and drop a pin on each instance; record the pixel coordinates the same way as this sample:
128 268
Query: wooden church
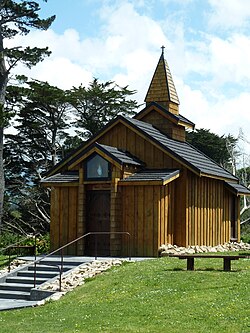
140 176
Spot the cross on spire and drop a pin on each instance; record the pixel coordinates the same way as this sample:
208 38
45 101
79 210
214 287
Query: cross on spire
162 48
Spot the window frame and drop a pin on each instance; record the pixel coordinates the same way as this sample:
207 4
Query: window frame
106 178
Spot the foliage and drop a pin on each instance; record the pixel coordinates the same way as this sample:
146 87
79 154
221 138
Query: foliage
17 18
244 175
42 241
8 238
71 143
43 117
149 296
218 148
41 123
245 232
99 103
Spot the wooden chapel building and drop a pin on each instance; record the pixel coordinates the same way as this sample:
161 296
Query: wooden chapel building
139 175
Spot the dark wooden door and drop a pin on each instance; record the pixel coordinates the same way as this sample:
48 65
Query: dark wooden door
98 220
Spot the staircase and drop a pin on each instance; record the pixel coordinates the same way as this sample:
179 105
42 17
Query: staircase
19 284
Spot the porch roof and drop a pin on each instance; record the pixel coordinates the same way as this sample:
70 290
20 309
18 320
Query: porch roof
154 176
62 178
239 189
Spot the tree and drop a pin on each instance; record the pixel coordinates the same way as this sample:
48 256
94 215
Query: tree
41 123
16 18
221 149
99 103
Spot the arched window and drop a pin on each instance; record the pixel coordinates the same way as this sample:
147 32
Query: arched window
97 168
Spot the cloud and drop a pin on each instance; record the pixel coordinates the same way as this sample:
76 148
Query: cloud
224 116
126 48
228 14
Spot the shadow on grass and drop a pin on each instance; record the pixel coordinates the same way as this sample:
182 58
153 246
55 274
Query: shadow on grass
208 269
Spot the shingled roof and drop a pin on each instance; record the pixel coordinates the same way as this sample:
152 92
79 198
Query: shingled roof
238 188
152 175
162 88
62 178
122 156
182 151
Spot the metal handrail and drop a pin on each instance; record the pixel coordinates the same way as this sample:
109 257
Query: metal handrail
16 245
60 267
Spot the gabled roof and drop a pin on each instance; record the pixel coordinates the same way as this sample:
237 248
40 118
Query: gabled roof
153 176
119 156
122 156
183 152
162 88
175 118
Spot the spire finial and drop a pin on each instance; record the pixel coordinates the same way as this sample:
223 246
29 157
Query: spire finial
162 50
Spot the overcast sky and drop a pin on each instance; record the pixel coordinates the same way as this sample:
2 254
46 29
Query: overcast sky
207 48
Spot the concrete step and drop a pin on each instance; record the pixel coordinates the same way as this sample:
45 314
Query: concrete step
57 261
16 286
25 280
50 268
10 294
41 274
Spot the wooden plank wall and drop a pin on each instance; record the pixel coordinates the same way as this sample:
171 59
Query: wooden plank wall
148 215
115 214
64 211
124 138
165 126
208 211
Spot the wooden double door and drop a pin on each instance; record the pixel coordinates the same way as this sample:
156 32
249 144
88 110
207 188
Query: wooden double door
98 220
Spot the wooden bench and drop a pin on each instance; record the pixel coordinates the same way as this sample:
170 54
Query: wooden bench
226 259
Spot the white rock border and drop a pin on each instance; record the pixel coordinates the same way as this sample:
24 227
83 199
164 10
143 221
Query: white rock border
77 277
166 249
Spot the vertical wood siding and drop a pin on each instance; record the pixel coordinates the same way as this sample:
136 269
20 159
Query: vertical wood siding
148 215
124 138
64 211
208 211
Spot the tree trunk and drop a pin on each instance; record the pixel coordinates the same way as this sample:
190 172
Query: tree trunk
2 183
3 84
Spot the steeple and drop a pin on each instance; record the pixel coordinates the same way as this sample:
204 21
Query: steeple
162 89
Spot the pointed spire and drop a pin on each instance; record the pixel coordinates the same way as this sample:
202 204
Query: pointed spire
162 89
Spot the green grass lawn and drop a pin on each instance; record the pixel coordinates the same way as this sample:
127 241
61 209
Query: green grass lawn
4 261
156 295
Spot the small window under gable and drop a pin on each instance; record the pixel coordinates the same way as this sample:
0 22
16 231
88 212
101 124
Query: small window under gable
97 168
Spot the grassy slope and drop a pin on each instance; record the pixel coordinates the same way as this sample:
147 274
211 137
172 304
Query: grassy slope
151 296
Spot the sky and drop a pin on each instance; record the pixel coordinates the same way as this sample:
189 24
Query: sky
207 46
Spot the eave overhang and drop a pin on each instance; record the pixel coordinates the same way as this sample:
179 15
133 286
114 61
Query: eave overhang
238 189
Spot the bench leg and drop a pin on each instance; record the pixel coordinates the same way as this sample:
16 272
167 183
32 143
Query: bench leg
190 264
227 264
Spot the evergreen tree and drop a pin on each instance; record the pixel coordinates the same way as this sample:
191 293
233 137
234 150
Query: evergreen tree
41 123
221 149
16 18
99 103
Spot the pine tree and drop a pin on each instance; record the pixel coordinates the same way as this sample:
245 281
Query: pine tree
16 18
99 103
